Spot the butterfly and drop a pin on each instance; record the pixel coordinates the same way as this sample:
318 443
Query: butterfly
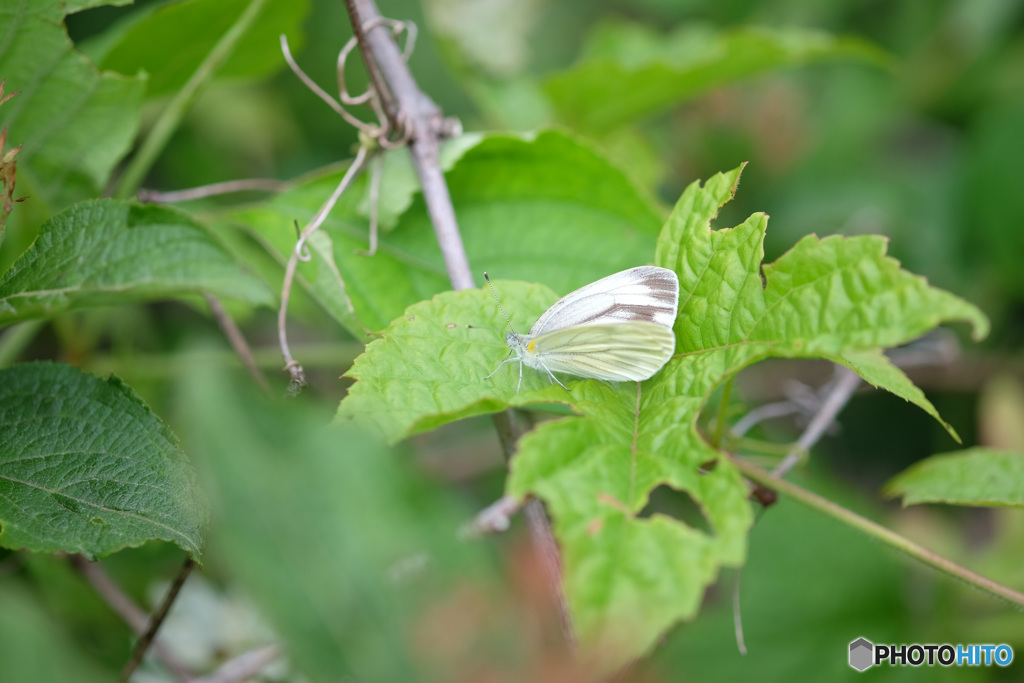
618 328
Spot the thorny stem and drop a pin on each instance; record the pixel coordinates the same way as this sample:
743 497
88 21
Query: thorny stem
414 113
419 116
877 531
156 620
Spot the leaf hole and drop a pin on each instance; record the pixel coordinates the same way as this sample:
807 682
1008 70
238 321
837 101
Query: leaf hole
671 502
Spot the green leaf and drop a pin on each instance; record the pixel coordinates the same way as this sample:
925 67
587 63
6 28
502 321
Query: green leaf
105 252
629 577
976 476
26 628
545 208
875 367
353 543
154 43
629 72
86 467
74 123
427 368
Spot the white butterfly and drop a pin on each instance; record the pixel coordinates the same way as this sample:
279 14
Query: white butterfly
618 328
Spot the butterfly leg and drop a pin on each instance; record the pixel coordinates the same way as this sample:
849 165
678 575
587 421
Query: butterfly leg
507 360
551 376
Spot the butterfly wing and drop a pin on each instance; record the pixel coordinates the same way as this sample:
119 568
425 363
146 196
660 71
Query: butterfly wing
620 351
646 293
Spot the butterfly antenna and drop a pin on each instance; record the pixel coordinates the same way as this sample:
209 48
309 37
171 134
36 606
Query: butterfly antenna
498 301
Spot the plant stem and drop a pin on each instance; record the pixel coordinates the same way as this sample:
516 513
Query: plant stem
419 117
845 383
174 112
877 531
723 406
156 620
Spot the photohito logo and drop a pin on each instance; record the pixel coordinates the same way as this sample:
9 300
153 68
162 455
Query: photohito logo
865 654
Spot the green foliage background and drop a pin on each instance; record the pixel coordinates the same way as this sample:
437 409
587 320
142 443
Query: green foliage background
588 121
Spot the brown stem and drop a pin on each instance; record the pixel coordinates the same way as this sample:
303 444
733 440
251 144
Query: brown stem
126 608
238 342
156 620
421 118
417 116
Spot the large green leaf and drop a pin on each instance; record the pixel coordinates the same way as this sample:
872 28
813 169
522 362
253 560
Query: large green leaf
628 577
74 123
339 543
545 208
629 72
154 43
976 476
86 467
105 252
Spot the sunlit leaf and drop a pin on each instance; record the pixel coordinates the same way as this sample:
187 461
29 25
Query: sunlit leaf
975 476
628 577
86 467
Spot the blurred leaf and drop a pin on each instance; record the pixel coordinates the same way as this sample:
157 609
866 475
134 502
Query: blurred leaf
106 252
629 578
1000 407
993 203
155 44
339 542
629 72
976 476
86 467
74 123
812 579
33 646
491 36
545 208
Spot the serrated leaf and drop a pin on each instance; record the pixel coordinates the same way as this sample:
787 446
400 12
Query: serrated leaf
74 123
875 367
106 252
86 467
629 72
408 384
629 578
975 476
545 208
154 43
325 561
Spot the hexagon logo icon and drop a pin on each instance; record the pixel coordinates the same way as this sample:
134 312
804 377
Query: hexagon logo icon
861 654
